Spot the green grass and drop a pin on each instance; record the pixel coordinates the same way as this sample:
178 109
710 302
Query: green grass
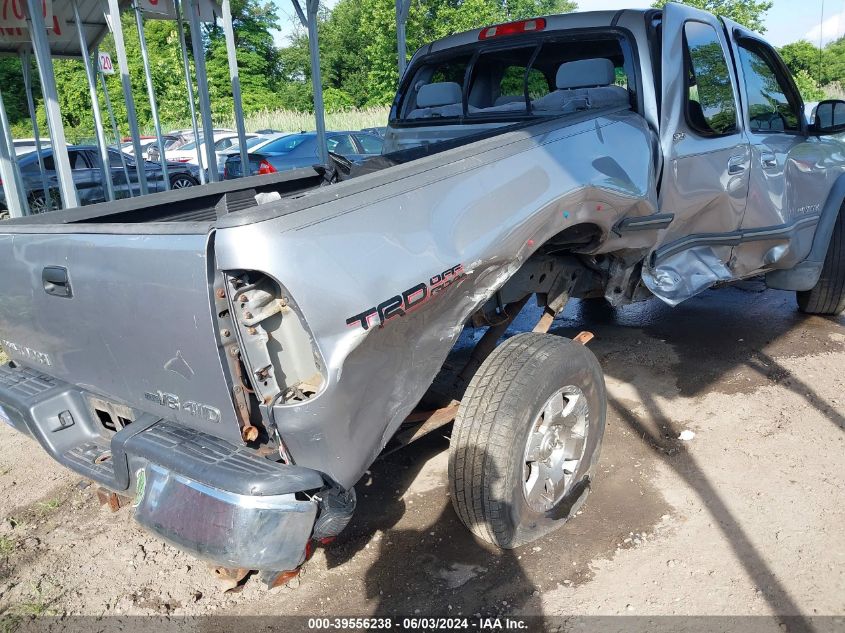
7 545
3 358
292 121
48 506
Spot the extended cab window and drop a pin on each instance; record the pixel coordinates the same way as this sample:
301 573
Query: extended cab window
550 76
769 107
710 103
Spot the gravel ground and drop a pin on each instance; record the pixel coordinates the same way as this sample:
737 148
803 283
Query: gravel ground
745 518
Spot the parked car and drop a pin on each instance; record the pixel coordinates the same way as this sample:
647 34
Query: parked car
177 139
237 365
300 150
188 153
88 177
255 143
128 147
26 145
171 142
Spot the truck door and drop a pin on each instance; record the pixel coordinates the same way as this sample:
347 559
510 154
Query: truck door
788 179
706 157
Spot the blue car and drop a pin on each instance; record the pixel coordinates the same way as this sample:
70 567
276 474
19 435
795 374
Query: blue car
300 150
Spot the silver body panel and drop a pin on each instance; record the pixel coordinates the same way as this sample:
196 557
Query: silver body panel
662 202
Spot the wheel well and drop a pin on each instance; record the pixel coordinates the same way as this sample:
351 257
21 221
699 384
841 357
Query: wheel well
579 238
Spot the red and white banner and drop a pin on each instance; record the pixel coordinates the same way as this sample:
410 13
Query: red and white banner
13 13
166 9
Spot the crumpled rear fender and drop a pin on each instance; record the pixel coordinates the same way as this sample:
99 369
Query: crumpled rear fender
386 268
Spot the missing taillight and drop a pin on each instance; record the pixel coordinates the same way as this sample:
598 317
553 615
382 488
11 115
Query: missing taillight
513 28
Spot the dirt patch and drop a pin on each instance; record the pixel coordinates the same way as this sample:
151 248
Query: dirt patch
745 518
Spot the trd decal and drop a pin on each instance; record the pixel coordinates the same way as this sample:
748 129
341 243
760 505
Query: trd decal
409 300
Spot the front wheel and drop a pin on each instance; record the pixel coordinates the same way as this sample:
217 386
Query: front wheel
527 439
182 181
827 297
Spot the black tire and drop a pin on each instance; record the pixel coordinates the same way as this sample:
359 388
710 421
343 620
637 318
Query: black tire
827 297
182 181
497 415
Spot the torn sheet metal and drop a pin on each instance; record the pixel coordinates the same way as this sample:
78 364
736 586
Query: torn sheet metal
685 274
387 268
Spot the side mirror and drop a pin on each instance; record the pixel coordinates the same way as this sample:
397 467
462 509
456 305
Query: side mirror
830 117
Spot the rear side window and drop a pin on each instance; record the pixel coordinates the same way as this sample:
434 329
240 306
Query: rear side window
549 76
710 102
437 89
286 144
769 108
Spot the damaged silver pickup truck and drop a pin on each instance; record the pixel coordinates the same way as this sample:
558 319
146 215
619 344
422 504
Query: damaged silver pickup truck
236 356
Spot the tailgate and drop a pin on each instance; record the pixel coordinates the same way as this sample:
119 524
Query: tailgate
138 328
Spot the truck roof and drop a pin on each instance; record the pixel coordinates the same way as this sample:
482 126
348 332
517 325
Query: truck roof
558 22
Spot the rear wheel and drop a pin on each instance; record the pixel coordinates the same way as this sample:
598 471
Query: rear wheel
828 295
527 439
182 181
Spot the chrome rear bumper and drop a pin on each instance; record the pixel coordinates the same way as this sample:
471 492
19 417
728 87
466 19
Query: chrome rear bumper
228 529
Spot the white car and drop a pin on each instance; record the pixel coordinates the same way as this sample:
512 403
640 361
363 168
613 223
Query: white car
188 153
27 145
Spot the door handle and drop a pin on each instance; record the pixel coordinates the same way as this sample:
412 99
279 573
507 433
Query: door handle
56 281
736 165
769 161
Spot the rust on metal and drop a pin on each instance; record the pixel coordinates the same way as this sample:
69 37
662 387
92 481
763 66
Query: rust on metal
545 322
584 337
283 578
428 420
111 499
487 343
220 293
249 433
228 576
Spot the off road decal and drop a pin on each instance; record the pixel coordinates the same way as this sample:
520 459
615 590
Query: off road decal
409 300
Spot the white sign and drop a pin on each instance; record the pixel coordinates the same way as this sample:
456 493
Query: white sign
105 65
13 13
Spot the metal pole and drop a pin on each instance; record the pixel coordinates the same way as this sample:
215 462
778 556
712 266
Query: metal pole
189 83
115 131
202 89
403 8
113 18
145 57
9 172
310 21
95 106
236 85
38 32
26 66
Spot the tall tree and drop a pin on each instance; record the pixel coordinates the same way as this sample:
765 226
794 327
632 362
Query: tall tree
259 61
749 13
359 60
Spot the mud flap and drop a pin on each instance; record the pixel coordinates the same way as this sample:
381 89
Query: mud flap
685 275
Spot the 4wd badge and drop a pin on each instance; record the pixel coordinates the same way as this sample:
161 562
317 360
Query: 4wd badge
171 401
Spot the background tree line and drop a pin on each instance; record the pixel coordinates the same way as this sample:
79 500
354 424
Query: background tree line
359 66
